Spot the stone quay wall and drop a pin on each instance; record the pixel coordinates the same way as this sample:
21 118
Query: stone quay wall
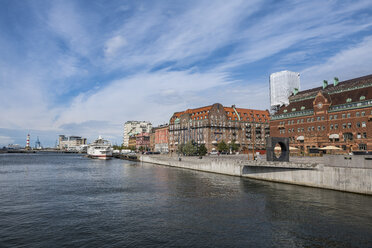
349 175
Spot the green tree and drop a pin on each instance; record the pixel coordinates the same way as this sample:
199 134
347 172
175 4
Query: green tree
180 148
141 148
202 150
233 146
222 146
189 149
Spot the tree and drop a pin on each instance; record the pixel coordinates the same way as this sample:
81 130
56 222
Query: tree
180 148
189 149
233 146
141 148
202 150
222 146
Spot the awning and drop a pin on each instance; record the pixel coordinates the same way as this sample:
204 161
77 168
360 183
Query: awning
214 142
301 138
334 136
330 148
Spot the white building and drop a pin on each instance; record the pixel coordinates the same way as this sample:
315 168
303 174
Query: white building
282 85
133 128
71 142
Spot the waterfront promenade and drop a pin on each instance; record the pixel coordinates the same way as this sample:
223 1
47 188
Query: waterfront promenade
336 172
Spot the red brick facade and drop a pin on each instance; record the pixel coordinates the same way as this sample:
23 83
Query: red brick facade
339 115
212 124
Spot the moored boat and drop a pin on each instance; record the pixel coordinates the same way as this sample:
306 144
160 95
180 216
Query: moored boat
100 149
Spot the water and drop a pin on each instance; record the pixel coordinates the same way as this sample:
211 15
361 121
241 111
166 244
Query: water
53 200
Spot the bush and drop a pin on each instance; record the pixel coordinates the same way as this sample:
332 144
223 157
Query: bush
222 147
202 150
189 149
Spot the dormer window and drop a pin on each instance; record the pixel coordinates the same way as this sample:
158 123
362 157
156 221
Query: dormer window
362 98
285 111
303 107
348 100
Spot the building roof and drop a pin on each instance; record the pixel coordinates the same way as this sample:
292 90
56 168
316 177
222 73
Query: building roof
341 86
353 90
245 114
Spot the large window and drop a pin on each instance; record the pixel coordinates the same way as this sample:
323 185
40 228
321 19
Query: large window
348 136
362 147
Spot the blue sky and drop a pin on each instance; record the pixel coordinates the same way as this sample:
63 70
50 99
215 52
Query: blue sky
86 67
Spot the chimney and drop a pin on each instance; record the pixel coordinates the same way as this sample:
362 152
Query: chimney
295 91
325 84
335 81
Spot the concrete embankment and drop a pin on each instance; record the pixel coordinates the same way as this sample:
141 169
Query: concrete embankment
350 174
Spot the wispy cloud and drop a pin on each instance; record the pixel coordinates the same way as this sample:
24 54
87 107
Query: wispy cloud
82 67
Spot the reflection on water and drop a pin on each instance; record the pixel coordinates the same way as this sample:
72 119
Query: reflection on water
51 200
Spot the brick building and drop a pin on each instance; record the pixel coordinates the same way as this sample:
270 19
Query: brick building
143 140
132 142
339 114
215 123
161 138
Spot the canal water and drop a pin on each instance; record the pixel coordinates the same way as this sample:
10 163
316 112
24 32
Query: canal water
54 200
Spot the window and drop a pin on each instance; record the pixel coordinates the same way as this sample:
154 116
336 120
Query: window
357 114
312 128
318 118
362 147
308 119
336 126
312 119
359 136
289 122
331 127
322 118
344 125
323 127
363 113
363 124
298 121
364 135
343 116
298 130
331 117
348 100
348 115
308 129
362 98
358 124
348 136
335 117
318 128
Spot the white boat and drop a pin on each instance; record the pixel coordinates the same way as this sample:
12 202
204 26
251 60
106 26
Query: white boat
100 149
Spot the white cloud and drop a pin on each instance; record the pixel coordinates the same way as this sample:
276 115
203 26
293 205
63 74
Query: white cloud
113 45
352 62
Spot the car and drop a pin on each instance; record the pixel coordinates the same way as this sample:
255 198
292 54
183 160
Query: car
213 153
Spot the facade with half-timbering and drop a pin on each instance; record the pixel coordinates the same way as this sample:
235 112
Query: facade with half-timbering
212 124
339 114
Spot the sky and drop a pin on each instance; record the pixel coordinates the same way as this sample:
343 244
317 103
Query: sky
86 67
